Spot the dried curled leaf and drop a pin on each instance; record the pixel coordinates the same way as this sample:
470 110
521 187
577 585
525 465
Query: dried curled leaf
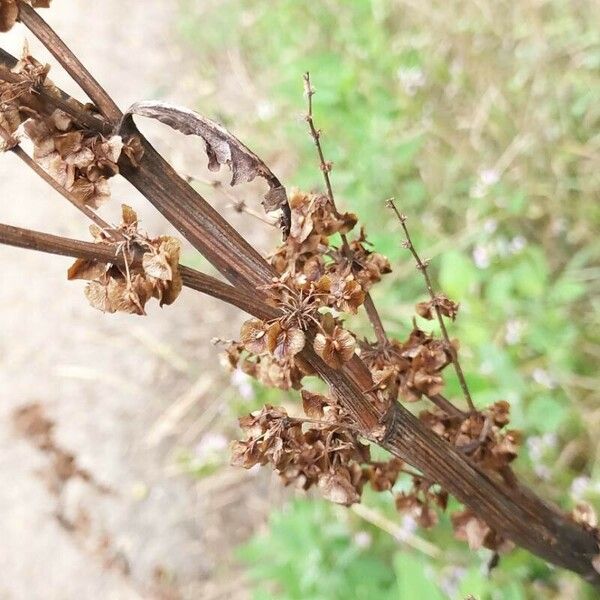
222 148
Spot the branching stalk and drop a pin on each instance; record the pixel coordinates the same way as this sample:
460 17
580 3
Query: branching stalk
325 167
422 266
72 65
105 253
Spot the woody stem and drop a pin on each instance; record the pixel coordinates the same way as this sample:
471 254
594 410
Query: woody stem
422 266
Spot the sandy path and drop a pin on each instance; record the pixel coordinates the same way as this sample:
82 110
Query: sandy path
103 379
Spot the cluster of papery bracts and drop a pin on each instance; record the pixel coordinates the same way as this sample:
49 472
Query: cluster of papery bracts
328 455
149 269
317 282
81 162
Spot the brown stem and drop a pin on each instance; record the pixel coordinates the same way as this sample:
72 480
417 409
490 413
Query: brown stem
422 266
516 512
325 167
375 320
54 244
444 404
52 42
88 212
81 117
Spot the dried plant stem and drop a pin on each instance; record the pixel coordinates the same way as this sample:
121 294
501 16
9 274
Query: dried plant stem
52 42
88 212
444 404
375 320
325 167
237 204
407 537
54 244
82 118
422 266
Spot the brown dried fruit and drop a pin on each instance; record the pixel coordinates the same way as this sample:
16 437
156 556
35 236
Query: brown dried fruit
9 11
337 487
346 292
284 342
447 307
253 336
113 288
335 346
313 404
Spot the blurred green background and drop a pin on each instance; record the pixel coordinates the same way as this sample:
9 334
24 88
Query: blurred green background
482 119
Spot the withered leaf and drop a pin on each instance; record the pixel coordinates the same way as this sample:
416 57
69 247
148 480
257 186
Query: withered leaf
222 148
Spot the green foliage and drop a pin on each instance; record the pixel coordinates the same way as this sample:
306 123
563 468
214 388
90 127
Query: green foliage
481 119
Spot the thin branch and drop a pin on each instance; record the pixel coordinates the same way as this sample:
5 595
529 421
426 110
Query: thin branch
444 404
237 204
88 212
398 533
316 136
105 253
422 266
325 167
52 42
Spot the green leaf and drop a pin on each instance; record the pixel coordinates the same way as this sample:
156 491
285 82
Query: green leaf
458 275
546 413
414 583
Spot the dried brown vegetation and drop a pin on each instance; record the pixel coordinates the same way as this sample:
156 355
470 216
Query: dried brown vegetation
297 298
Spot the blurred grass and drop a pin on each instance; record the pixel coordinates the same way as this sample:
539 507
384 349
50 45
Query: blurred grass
482 119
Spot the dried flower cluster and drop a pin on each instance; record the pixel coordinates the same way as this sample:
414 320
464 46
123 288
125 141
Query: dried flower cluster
79 160
320 451
481 435
149 269
318 281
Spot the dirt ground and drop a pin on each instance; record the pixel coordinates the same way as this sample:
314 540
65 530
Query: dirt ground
122 390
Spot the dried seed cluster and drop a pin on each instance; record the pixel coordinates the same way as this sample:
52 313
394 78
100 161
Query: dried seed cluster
149 269
82 161
318 280
79 160
322 452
